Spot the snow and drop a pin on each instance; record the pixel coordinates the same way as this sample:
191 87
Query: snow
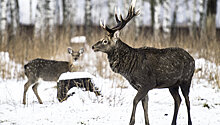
114 107
78 39
75 75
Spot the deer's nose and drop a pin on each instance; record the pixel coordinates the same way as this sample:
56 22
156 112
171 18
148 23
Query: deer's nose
93 47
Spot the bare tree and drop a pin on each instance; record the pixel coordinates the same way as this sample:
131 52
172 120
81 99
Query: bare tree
88 16
156 26
67 7
30 16
111 7
211 19
173 23
193 21
152 4
50 15
188 16
202 12
39 20
69 11
138 21
166 18
3 26
14 8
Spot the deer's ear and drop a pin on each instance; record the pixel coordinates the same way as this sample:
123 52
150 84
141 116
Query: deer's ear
70 51
116 36
81 50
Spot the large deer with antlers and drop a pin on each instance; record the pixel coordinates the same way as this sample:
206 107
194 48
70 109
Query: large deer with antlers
47 70
147 68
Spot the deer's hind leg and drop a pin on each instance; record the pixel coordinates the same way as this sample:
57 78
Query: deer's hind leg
185 90
36 93
26 86
177 100
145 107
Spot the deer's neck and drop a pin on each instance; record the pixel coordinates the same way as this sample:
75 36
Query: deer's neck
122 58
72 67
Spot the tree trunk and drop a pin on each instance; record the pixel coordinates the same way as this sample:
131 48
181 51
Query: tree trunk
88 17
203 16
50 15
193 27
3 22
211 19
67 8
166 19
157 7
39 20
111 10
30 16
138 20
3 26
152 4
14 15
173 24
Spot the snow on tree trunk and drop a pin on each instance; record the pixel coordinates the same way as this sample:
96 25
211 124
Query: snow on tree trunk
166 18
3 23
39 20
88 16
111 9
14 15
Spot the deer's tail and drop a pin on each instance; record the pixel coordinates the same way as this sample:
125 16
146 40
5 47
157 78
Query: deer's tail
25 69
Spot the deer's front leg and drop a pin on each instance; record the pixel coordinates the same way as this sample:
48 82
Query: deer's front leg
142 92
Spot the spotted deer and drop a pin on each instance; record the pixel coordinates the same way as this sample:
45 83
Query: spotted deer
147 68
47 70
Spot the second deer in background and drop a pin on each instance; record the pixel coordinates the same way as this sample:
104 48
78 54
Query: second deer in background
47 70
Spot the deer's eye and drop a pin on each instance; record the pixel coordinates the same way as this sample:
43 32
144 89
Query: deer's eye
105 42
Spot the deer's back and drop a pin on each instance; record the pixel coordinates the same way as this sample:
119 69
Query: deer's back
169 65
161 68
48 70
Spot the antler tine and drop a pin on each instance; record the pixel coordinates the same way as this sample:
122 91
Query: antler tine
116 16
102 25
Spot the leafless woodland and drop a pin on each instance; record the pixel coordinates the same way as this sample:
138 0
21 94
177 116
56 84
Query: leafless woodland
49 31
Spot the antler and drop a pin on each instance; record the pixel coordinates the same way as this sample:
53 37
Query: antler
121 22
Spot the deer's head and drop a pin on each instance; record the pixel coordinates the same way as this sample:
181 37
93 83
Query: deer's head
109 41
75 54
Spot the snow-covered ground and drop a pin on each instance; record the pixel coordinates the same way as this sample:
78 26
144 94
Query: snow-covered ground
114 108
